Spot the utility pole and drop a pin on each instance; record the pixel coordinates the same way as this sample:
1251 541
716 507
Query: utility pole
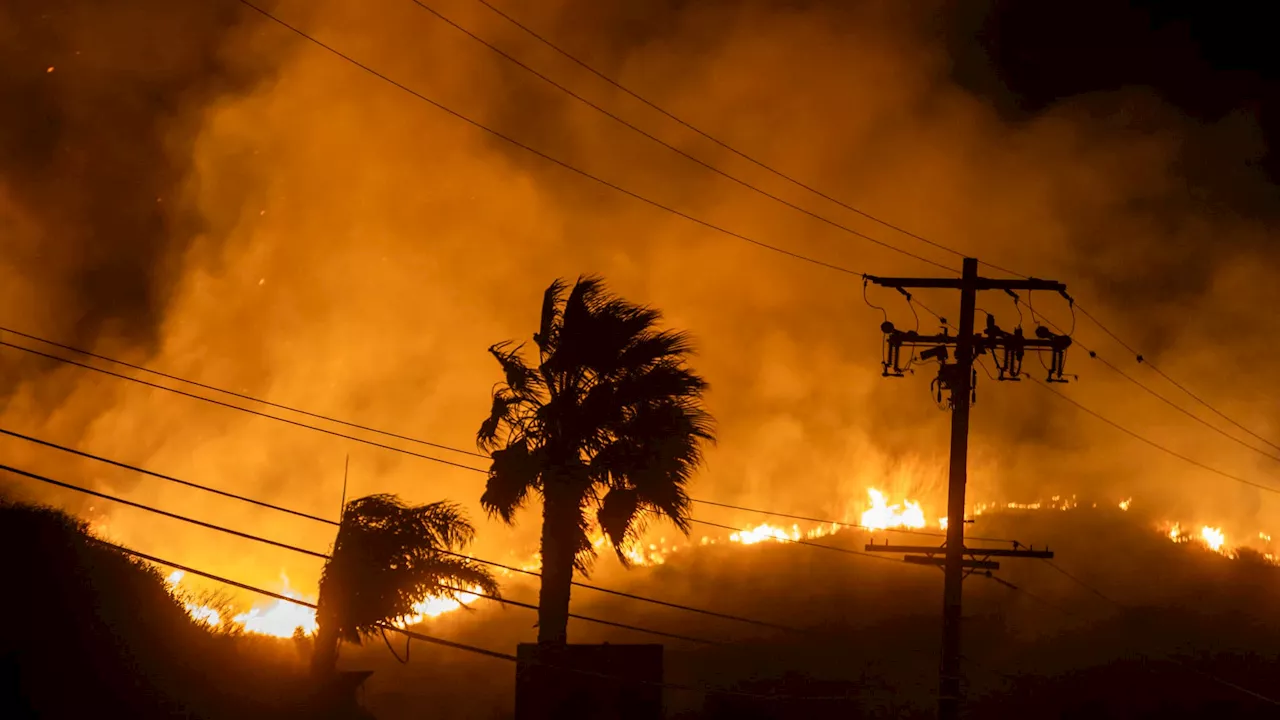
958 379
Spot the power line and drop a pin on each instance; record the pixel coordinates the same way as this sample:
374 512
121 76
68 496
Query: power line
673 148
1221 681
212 401
296 601
1135 435
1181 409
729 147
165 513
1153 443
313 553
449 643
596 588
407 438
598 621
847 206
1154 368
1113 368
242 396
545 156
168 478
1082 583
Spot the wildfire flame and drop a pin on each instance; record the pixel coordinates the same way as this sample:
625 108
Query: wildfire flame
437 606
199 613
283 619
1213 538
763 532
280 618
882 516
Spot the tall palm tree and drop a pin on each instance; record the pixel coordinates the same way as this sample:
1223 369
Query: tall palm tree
609 419
389 555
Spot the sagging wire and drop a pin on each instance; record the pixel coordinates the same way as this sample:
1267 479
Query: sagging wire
884 358
407 641
1017 305
912 306
865 299
985 369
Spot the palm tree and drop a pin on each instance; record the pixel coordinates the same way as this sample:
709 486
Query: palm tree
609 419
389 555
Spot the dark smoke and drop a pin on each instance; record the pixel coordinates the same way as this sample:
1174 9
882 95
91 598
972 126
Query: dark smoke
99 105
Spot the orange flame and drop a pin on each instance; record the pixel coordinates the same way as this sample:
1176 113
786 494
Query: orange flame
882 515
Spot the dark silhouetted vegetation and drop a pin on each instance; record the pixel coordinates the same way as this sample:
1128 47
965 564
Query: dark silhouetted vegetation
609 418
388 556
91 632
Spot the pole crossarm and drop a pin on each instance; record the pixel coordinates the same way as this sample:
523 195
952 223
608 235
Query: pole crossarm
971 552
941 562
960 283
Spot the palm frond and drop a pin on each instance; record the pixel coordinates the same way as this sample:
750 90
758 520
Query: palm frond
547 335
653 347
513 473
389 555
524 382
618 516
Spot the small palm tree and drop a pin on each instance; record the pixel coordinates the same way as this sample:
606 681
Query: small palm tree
389 555
609 419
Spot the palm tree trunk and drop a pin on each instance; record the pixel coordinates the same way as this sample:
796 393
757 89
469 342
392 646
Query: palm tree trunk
324 660
559 521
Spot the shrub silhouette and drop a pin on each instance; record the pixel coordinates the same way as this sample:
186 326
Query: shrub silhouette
92 632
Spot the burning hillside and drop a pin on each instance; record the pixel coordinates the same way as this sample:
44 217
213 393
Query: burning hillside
282 619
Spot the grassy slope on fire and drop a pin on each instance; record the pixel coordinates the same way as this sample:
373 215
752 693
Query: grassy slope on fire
874 631
92 633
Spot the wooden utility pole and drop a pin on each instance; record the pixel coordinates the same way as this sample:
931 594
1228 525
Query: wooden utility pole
958 379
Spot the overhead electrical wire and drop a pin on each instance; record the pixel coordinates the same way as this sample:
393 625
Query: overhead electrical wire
156 386
314 553
1142 360
1152 443
810 188
694 219
1121 606
1093 354
1138 436
405 88
388 627
141 368
242 396
550 158
669 146
542 39
335 523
